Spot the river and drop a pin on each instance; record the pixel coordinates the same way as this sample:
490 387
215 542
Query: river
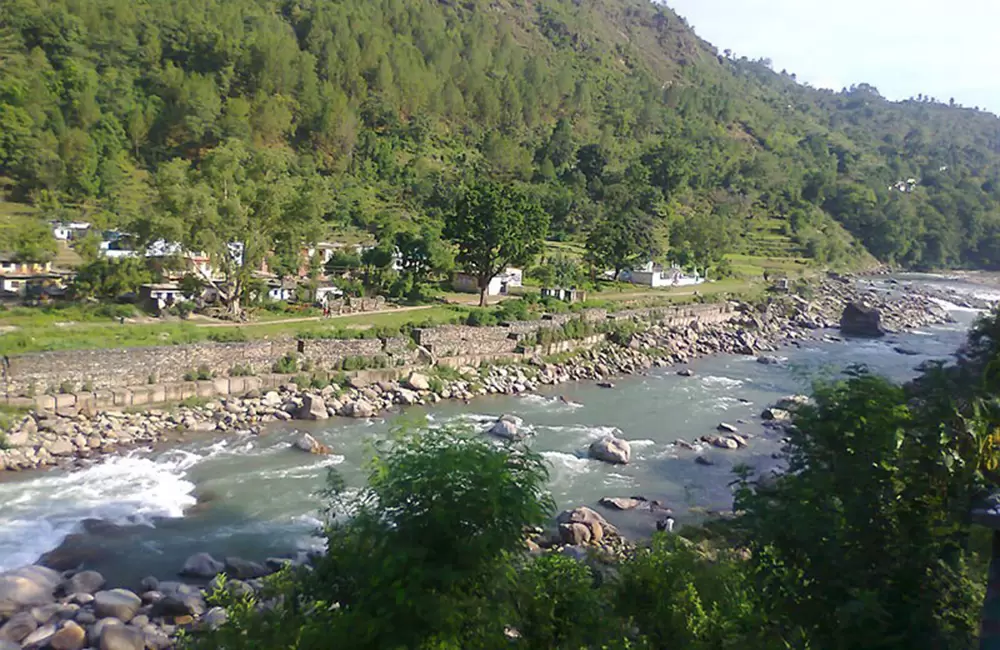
256 497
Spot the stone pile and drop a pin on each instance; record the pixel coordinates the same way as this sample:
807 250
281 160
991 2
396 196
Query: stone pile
43 608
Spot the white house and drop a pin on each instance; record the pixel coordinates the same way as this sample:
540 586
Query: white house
158 297
655 275
69 231
281 291
327 294
500 285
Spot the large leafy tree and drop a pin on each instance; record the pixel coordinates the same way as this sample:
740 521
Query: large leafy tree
234 208
860 544
494 226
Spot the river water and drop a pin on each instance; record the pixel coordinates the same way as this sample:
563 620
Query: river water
256 497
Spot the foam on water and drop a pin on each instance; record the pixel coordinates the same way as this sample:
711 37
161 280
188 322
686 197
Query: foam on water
130 490
721 382
950 306
549 403
566 466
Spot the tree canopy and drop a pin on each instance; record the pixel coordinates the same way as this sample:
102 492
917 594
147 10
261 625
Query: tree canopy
381 108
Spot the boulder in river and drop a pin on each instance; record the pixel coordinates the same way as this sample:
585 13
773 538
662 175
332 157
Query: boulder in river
621 503
202 565
861 320
307 443
611 450
768 360
776 415
69 636
237 567
85 582
30 585
727 428
122 637
18 627
582 526
507 427
685 372
359 409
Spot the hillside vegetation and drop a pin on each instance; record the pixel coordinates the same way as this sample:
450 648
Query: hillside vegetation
179 119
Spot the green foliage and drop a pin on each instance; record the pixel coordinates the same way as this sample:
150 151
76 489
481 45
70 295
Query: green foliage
67 387
863 537
219 122
201 373
110 279
241 370
228 335
679 598
286 365
495 226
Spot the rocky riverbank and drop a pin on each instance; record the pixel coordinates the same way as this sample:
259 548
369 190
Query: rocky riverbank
71 439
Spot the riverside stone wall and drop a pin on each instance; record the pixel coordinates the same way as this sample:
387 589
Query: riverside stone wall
138 368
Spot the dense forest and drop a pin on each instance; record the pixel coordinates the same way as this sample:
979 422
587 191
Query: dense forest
295 119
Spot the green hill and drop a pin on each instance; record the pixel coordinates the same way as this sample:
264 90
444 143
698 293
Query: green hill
371 113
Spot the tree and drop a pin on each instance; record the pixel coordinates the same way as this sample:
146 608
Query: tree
110 279
422 255
495 226
896 473
233 208
623 239
700 240
424 559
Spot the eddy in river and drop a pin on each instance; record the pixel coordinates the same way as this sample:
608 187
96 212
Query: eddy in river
564 400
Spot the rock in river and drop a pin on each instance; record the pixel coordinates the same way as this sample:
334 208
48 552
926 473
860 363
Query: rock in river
307 443
860 320
620 503
611 450
202 565
507 427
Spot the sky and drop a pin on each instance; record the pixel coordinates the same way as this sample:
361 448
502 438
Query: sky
942 49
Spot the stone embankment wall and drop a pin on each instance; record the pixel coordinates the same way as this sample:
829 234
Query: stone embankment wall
138 376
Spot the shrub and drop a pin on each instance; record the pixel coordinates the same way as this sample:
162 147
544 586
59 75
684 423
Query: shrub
480 317
204 373
193 402
228 335
286 365
67 387
241 370
151 379
88 386
306 365
436 384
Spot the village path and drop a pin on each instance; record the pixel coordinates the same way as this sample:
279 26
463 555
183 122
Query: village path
306 319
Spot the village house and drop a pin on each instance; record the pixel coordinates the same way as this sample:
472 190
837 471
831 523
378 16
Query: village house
281 290
656 275
157 297
69 231
20 278
566 295
326 295
500 285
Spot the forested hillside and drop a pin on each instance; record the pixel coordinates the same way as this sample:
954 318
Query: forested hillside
180 118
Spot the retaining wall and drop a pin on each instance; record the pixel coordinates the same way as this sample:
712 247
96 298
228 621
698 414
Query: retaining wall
117 376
